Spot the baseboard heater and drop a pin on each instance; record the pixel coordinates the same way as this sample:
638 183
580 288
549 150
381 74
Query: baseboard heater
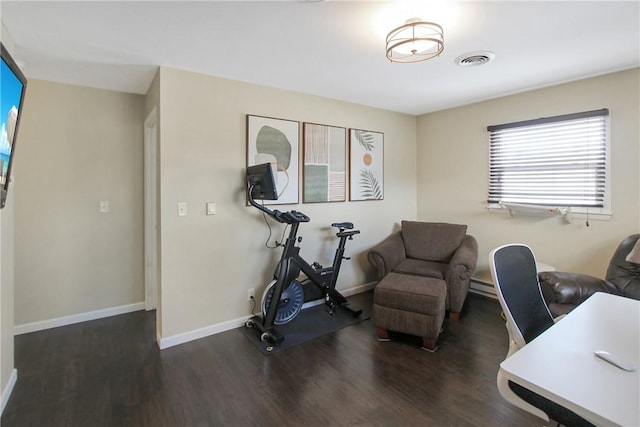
537 210
482 288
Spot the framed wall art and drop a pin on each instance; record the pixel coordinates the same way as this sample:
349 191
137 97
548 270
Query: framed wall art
324 163
276 141
366 165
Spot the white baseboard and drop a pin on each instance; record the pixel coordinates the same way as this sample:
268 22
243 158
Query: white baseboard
236 323
76 318
201 333
483 288
6 393
358 289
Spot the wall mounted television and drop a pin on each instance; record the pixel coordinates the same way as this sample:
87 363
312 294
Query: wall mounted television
12 88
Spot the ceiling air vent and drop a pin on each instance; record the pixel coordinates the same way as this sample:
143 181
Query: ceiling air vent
474 59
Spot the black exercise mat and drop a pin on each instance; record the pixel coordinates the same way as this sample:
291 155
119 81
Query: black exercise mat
310 323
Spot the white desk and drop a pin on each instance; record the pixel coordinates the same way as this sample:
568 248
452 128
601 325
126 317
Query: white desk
560 364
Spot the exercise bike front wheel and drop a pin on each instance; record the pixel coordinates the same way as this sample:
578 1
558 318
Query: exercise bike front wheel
290 302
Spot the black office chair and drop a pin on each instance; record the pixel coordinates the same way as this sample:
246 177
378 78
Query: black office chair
515 276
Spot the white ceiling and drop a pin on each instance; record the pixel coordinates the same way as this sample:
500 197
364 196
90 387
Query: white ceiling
333 49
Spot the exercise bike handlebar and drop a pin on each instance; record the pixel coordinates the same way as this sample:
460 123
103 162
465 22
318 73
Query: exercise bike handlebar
291 217
288 217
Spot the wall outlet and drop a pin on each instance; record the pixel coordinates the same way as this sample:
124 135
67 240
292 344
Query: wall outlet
251 294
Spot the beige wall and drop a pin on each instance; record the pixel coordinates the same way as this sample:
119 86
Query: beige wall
78 146
6 275
453 172
6 290
209 262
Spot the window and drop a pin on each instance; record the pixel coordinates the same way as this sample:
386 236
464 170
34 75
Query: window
553 161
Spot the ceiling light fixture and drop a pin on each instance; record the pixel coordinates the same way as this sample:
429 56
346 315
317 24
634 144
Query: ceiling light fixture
415 41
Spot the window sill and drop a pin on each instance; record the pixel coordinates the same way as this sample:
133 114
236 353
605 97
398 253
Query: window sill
535 210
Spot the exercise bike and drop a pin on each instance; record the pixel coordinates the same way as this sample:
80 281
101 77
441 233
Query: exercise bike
284 296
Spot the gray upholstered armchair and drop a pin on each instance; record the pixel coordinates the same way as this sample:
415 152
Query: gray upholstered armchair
440 250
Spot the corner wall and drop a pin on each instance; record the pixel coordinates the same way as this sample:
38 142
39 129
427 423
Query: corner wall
209 262
152 103
8 374
453 173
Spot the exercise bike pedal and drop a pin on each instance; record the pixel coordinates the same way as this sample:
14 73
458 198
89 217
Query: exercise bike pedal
331 307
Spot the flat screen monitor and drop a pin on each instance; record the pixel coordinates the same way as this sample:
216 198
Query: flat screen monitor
12 89
260 178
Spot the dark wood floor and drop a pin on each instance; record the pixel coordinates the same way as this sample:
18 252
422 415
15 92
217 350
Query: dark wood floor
109 372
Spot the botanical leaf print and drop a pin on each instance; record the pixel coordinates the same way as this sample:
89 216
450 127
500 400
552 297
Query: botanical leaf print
370 187
365 139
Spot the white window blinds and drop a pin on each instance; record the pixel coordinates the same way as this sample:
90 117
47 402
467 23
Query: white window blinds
555 161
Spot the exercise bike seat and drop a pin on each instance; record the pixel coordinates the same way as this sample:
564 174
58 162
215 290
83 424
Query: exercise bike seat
343 225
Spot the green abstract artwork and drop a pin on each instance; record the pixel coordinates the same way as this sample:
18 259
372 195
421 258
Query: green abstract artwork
276 141
325 152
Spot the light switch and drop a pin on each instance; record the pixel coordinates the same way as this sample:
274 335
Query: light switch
211 208
104 206
182 208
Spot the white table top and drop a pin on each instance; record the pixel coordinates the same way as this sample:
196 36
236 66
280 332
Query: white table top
560 364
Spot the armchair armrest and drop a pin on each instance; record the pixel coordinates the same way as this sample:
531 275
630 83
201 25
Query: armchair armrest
386 255
572 288
464 260
459 272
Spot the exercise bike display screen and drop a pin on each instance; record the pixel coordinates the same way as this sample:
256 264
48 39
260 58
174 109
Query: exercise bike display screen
262 182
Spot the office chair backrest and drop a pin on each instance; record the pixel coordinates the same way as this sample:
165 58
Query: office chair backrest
514 272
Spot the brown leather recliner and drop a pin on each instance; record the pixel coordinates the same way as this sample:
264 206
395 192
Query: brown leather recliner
439 250
564 291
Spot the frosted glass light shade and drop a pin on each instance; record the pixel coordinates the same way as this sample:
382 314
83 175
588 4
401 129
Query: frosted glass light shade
415 41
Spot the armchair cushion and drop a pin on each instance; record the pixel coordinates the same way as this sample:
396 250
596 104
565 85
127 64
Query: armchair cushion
432 241
573 288
417 267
